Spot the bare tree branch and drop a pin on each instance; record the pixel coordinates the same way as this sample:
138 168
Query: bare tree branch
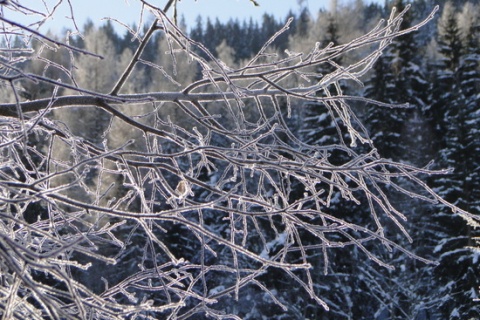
158 195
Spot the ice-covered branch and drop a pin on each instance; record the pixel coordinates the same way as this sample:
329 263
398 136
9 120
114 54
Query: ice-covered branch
176 189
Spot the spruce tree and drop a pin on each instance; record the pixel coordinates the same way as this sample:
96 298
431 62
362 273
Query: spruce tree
322 126
397 133
456 101
397 82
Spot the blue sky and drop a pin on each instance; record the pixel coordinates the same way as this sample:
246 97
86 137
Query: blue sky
243 9
129 10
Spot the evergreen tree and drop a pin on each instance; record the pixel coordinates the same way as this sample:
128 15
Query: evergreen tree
302 22
321 122
384 124
397 78
457 102
254 37
396 82
111 34
269 27
235 36
211 38
197 32
322 126
244 49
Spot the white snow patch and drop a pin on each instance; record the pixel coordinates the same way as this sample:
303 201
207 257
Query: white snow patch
216 290
279 240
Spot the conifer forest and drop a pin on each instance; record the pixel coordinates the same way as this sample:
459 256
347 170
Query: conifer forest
321 166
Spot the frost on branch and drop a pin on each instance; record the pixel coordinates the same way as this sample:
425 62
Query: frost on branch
170 201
